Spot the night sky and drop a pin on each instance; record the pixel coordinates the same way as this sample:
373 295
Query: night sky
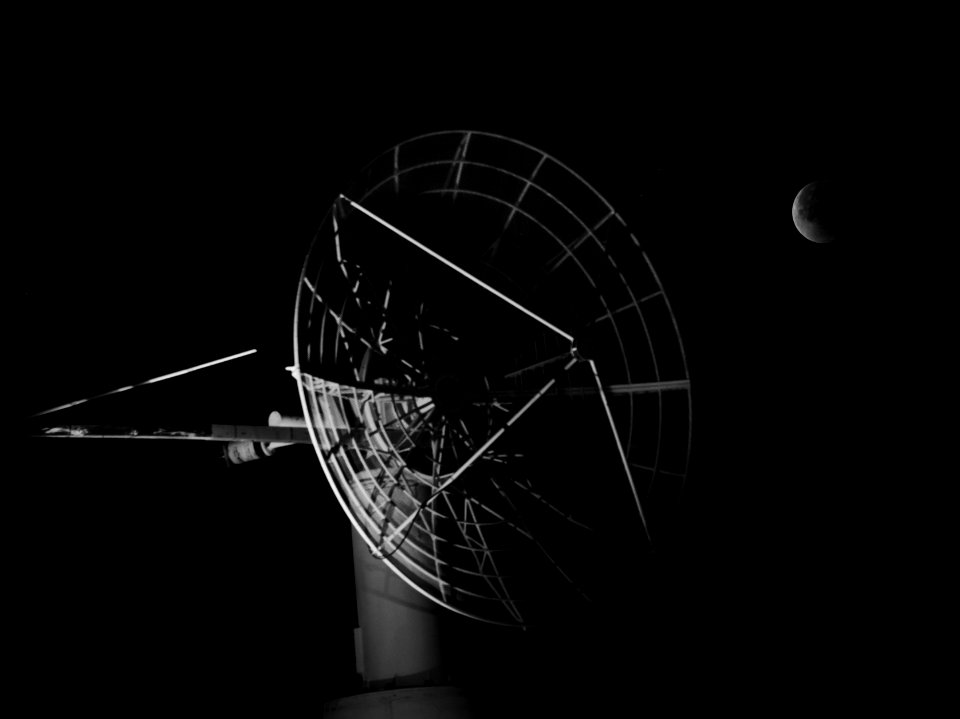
171 210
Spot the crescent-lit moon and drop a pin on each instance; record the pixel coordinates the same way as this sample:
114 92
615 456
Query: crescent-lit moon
810 211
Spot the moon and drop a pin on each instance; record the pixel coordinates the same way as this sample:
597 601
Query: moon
816 212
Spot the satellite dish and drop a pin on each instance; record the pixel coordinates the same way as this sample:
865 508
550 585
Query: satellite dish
491 375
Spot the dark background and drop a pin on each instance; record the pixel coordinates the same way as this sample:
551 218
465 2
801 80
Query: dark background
169 205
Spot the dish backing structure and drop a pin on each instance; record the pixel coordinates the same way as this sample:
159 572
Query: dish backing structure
491 375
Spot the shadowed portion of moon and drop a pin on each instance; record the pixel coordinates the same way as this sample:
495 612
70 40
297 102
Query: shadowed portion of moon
819 212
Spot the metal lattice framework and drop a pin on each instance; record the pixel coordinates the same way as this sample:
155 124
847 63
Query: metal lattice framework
491 373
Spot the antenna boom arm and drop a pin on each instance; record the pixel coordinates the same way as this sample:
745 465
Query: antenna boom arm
214 433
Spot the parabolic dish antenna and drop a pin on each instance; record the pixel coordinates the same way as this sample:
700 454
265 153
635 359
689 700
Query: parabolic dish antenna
491 374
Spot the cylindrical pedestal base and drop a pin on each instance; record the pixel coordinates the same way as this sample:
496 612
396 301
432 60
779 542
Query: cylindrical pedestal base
399 639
